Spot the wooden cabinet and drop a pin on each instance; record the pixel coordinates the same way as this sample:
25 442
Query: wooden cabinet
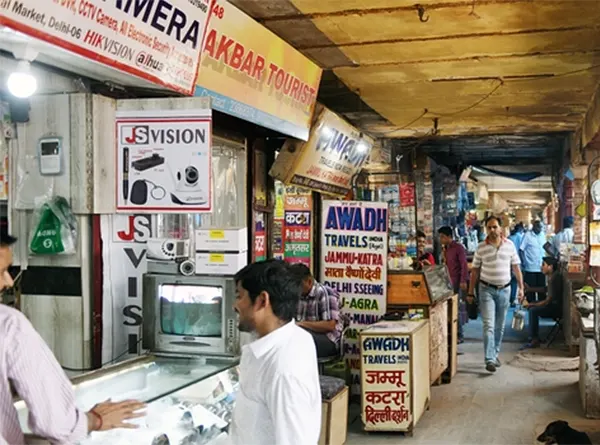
429 294
395 389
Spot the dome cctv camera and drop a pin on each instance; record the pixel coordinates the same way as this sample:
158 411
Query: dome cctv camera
191 175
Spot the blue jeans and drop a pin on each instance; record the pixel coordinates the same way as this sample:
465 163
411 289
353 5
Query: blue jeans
493 304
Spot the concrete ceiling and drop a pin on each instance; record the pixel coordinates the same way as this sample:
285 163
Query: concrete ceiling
479 66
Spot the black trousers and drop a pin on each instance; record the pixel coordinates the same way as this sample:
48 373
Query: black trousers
325 347
535 279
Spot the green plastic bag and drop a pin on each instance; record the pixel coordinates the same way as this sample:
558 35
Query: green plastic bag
55 231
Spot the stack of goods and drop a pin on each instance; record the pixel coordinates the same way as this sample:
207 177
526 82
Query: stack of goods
402 225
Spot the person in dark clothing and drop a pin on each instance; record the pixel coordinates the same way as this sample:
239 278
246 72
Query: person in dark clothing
455 258
551 306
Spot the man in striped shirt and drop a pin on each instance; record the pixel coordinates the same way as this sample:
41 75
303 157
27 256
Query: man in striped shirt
492 264
28 365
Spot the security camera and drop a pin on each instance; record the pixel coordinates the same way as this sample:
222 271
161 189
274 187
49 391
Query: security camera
189 177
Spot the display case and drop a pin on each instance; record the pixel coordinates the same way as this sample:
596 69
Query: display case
429 294
426 287
190 399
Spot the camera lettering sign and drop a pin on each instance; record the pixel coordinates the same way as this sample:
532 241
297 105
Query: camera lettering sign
164 161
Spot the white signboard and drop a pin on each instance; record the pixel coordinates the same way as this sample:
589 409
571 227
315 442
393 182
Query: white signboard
353 261
159 41
124 240
164 161
386 377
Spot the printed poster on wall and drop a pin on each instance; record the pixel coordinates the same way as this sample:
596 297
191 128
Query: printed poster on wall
353 261
298 225
124 240
386 377
159 41
164 161
260 237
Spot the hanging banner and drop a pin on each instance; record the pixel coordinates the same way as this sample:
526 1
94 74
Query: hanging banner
334 153
158 41
164 161
124 240
255 75
354 262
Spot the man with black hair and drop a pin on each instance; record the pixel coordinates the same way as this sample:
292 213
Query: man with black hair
492 264
319 312
279 401
424 258
455 257
551 306
565 236
29 366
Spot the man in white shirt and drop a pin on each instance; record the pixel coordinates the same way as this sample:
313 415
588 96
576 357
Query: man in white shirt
279 401
565 236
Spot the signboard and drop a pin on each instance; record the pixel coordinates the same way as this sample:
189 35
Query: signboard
124 240
354 262
164 161
334 153
256 76
158 41
298 225
386 376
259 251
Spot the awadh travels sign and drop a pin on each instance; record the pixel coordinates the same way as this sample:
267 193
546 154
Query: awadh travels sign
334 153
254 75
156 40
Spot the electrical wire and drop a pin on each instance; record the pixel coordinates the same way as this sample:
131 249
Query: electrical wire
488 95
66 368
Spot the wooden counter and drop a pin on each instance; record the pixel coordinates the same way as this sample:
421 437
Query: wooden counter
429 294
589 385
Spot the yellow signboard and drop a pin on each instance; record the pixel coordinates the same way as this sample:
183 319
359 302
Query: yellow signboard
334 153
252 74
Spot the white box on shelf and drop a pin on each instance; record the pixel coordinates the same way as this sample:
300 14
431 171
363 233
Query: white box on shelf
227 240
215 263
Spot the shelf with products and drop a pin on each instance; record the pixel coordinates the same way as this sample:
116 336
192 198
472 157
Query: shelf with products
190 399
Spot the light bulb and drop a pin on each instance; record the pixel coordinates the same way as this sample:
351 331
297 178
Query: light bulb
21 83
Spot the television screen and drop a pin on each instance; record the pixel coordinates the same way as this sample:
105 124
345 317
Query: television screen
191 310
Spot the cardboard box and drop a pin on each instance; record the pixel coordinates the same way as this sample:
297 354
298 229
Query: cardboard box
216 263
229 240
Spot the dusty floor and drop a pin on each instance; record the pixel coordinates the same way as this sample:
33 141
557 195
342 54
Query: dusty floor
511 406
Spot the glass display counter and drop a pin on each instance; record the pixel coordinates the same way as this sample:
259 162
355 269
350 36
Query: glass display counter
190 400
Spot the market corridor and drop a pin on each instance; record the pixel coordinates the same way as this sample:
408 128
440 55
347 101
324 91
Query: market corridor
512 406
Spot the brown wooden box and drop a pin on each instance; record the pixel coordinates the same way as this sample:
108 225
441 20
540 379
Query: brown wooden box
407 289
334 419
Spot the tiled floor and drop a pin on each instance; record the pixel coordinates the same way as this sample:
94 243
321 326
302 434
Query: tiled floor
511 406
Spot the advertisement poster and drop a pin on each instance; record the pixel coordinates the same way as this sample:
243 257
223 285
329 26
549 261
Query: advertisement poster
326 163
298 225
158 41
279 222
124 240
254 75
164 161
260 237
353 261
386 378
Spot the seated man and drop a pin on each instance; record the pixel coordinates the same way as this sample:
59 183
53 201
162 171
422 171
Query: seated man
551 306
318 312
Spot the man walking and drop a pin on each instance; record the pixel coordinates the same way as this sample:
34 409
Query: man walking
492 265
318 312
279 401
532 253
455 258
516 237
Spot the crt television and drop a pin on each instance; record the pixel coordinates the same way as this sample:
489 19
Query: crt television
190 314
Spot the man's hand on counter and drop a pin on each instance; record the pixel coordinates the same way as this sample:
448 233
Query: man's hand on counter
110 415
